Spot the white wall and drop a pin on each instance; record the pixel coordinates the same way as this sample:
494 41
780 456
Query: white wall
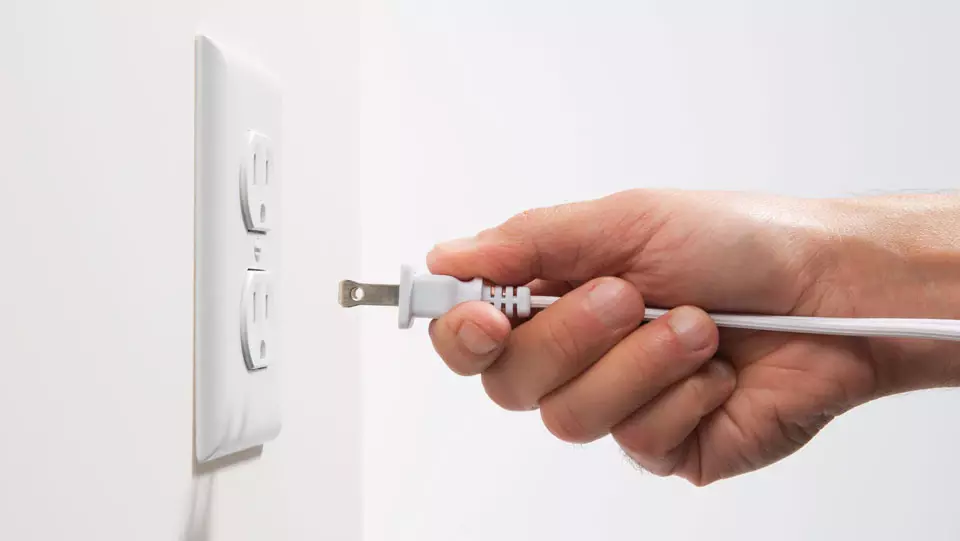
96 132
472 111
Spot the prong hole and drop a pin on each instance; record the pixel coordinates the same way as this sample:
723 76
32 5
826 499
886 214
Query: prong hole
357 294
263 212
263 350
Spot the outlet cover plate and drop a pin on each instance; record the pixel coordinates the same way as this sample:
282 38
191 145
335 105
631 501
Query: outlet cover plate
237 406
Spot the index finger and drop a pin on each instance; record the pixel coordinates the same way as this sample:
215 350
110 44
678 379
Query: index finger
576 241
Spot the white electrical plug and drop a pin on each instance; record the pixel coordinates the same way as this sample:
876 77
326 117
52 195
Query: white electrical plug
430 296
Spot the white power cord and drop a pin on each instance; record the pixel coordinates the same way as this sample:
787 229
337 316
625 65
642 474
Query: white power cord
431 296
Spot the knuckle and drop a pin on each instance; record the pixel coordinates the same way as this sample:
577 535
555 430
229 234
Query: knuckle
518 222
518 226
699 388
560 341
562 421
710 387
522 221
503 394
656 355
645 357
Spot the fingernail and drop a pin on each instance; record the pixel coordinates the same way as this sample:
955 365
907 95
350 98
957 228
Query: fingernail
722 369
475 340
725 372
457 245
656 466
692 327
605 300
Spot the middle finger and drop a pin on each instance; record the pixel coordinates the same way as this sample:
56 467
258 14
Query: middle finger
645 363
562 341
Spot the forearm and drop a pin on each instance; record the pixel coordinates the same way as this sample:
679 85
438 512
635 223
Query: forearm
900 257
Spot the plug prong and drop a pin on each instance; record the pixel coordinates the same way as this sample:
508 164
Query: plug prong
357 294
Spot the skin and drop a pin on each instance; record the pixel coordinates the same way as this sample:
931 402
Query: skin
680 396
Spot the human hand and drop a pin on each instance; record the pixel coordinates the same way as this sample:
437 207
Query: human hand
679 396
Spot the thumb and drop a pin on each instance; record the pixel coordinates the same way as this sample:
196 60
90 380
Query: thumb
571 242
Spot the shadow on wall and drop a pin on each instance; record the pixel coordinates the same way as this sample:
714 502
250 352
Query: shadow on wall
197 524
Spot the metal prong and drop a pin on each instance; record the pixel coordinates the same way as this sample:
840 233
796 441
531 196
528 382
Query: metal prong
357 294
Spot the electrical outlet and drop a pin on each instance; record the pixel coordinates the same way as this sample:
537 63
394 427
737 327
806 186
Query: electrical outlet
238 346
256 325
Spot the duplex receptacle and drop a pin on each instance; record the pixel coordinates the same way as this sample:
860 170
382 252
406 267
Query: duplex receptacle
238 265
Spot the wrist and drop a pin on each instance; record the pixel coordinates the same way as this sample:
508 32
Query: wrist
900 257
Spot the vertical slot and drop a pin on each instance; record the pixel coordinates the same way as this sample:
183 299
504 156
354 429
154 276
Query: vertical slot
254 306
266 306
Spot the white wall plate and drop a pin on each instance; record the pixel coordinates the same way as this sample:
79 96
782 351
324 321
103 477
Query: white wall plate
238 298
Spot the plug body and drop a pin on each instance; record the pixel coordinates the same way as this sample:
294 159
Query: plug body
431 295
